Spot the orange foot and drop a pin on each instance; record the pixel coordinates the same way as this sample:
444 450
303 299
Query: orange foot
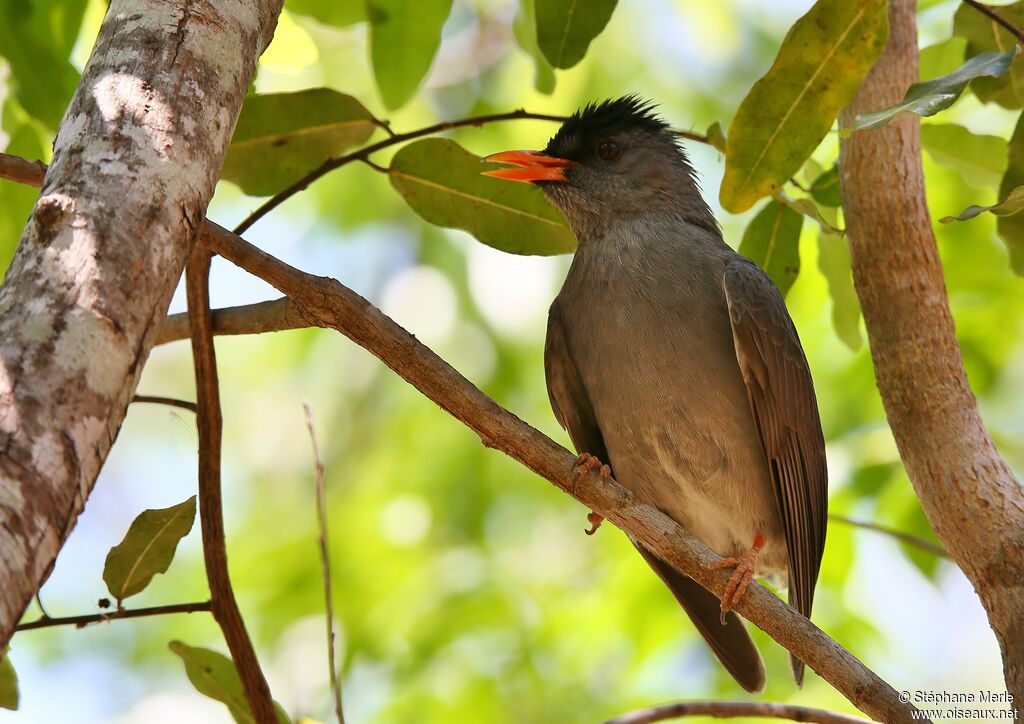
583 465
741 577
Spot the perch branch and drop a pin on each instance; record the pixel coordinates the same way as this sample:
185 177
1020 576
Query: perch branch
325 302
172 402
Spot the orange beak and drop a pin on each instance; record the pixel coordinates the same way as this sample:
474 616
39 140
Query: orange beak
533 166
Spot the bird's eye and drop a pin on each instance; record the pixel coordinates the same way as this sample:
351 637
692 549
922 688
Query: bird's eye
608 150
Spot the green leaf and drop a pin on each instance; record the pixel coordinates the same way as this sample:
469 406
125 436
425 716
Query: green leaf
716 137
8 684
41 76
1011 228
404 36
566 27
441 181
339 13
834 263
931 96
984 36
825 189
1012 204
980 159
822 61
147 549
941 58
525 29
808 208
213 674
280 137
772 239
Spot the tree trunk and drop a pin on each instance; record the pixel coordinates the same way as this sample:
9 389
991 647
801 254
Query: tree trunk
971 497
135 163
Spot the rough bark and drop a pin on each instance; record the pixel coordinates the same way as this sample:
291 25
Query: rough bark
135 162
969 494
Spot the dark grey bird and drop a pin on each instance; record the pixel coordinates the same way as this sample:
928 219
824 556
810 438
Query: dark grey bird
673 359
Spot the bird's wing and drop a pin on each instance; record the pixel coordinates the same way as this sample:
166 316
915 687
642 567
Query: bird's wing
785 412
569 399
574 411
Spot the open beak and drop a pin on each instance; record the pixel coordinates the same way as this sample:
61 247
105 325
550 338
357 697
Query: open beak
533 166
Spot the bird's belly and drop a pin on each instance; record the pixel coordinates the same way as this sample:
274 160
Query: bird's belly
679 433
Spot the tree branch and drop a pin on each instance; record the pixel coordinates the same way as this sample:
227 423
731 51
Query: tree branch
734 709
85 620
970 495
82 299
273 316
326 302
990 11
211 514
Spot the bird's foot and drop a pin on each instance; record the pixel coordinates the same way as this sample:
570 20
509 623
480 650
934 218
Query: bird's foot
583 465
740 580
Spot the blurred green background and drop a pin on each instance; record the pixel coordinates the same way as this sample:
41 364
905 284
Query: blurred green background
464 588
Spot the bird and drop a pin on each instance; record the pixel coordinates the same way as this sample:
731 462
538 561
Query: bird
673 364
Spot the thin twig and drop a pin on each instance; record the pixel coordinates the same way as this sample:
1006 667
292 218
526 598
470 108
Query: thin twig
734 709
15 168
211 514
85 620
913 540
325 561
997 18
334 163
171 401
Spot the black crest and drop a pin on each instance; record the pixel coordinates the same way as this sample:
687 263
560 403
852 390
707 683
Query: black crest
599 120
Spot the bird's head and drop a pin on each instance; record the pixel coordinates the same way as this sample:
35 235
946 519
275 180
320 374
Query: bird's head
612 160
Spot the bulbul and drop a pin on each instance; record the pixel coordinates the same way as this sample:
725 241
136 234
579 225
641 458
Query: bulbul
672 359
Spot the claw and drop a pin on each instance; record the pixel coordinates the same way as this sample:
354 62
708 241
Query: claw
740 580
584 464
595 520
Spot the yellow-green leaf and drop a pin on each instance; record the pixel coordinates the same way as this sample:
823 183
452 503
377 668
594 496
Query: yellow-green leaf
984 36
716 137
1012 204
834 263
1011 228
931 96
280 137
772 239
214 675
566 27
810 209
822 61
404 36
525 29
980 159
147 549
441 181
8 684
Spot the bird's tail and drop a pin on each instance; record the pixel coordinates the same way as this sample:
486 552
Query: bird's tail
731 642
